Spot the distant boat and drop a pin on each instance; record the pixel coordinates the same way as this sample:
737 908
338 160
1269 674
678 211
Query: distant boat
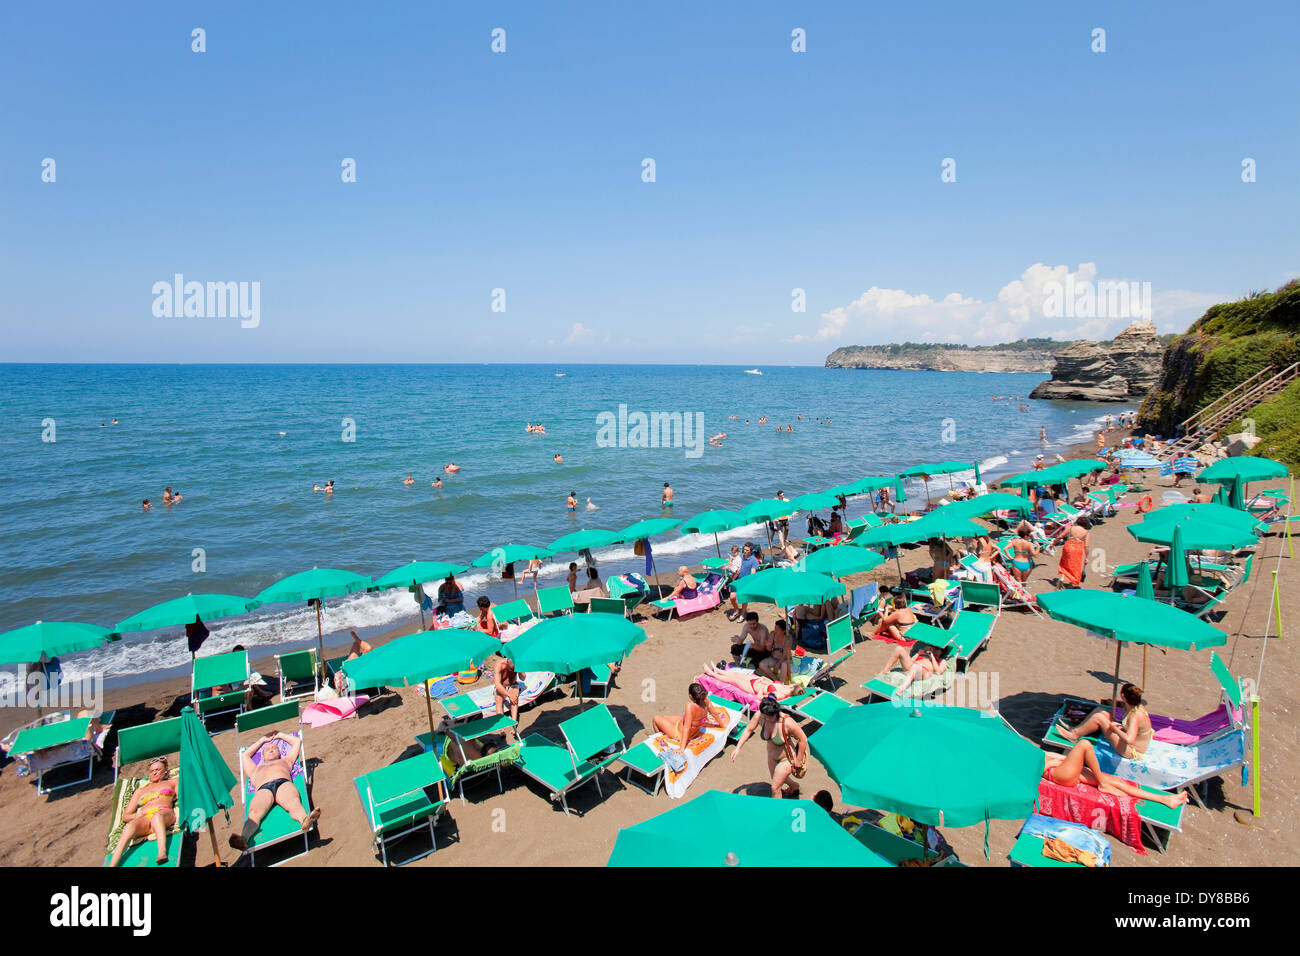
752 371
560 374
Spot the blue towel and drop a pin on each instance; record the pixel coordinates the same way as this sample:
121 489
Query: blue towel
1075 834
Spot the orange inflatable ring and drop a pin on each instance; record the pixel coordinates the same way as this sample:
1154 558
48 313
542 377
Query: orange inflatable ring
1145 504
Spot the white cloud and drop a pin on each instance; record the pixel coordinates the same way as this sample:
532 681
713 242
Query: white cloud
580 335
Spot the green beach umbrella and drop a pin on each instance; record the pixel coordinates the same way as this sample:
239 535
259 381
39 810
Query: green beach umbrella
1197 534
785 587
840 561
418 657
584 540
735 829
982 505
943 766
1077 467
942 524
1243 468
711 522
182 611
314 586
814 501
573 642
1145 589
416 573
25 645
941 468
507 554
1208 511
205 779
1131 619
648 529
766 509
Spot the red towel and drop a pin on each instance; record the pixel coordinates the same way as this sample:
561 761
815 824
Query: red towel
1070 568
1089 806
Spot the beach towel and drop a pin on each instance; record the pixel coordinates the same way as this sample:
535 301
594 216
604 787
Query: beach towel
700 749
706 598
1012 588
729 691
624 583
1167 766
1070 568
324 712
510 631
1184 732
256 756
535 682
1076 835
922 687
1090 807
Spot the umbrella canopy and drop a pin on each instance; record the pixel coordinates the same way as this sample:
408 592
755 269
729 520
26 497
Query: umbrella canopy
1243 468
205 780
25 645
941 524
986 504
892 535
1208 511
711 522
184 610
766 509
315 585
1130 619
584 540
815 501
1198 534
866 485
842 560
570 643
418 572
509 554
734 829
1145 589
647 528
787 586
1076 467
945 766
942 468
420 656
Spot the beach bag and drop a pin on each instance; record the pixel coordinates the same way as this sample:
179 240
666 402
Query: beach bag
639 548
674 760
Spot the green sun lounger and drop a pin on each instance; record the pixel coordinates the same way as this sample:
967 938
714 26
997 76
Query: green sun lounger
556 600
299 675
968 635
975 595
1028 851
513 612
277 826
607 606
50 736
839 647
645 761
216 671
396 802
726 703
562 769
135 744
489 763
894 848
820 707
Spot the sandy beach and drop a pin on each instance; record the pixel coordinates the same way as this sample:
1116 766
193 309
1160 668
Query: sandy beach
1034 661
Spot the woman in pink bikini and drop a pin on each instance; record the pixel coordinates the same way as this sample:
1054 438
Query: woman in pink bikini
755 684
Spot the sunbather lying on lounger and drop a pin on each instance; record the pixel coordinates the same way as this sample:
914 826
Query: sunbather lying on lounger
893 626
152 809
1080 766
699 713
923 661
787 746
471 749
273 784
1130 738
755 684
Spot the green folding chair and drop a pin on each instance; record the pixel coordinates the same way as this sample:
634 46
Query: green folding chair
607 606
556 600
562 769
277 826
968 635
820 707
50 736
396 801
135 744
299 675
839 647
512 612
975 594
216 671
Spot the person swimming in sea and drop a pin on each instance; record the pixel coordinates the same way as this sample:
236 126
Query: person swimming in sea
408 480
437 483
451 468
559 459
329 487
145 506
572 503
666 499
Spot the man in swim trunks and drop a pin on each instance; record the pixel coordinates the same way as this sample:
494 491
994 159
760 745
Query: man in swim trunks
666 500
272 781
760 645
506 684
572 503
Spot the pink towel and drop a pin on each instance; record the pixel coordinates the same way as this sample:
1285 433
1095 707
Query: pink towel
701 602
1089 806
1185 732
329 711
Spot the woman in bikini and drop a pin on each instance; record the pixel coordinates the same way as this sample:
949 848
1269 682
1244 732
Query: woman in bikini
1080 766
699 712
152 809
1022 555
787 746
1130 738
893 626
755 684
926 661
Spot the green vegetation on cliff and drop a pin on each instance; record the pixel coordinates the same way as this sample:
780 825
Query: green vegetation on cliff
1227 345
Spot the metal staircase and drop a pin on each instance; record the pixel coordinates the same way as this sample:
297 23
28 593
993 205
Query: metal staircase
1228 407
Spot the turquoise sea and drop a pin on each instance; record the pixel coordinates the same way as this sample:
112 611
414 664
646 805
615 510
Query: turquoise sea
244 444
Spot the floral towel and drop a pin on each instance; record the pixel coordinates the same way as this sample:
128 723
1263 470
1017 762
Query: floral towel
1088 806
1076 834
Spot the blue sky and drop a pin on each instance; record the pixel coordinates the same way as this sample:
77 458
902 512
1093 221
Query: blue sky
522 170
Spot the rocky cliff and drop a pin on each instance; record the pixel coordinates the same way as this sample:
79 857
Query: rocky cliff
1026 356
1114 371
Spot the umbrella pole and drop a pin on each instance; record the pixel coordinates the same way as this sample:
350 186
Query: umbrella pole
717 547
1144 666
1114 690
216 854
428 704
320 637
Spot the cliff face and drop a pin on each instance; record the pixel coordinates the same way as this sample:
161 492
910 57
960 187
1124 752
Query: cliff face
1114 371
941 359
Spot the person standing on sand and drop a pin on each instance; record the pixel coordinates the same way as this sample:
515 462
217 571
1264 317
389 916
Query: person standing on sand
666 499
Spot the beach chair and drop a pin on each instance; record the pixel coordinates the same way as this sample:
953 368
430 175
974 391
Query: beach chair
396 801
928 688
644 761
1015 596
556 600
594 681
219 670
588 738
820 707
839 647
481 702
894 848
864 605
54 747
977 595
487 764
968 635
299 675
513 612
1028 848
334 667
736 706
707 596
277 827
134 744
629 588
607 606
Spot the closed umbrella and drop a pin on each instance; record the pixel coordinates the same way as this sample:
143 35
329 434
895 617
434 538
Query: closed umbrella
313 587
735 829
943 766
205 780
